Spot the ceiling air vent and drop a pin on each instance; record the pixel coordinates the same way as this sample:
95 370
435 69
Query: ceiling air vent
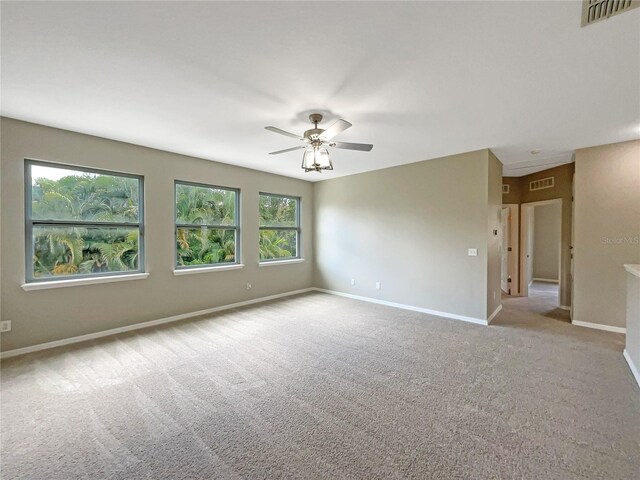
595 10
505 188
541 184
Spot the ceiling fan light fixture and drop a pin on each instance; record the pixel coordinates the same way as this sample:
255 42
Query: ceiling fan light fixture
316 159
316 156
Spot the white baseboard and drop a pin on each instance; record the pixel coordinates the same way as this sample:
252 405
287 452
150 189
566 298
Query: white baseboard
546 280
454 316
599 326
493 315
634 369
138 326
565 307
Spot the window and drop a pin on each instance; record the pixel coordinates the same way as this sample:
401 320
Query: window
206 225
279 227
82 222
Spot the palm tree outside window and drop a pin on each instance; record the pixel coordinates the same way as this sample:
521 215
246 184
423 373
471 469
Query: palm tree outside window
207 227
279 227
82 222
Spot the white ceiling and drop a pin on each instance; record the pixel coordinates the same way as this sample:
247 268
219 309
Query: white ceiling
419 80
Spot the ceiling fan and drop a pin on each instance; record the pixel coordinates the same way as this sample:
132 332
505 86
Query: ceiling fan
316 156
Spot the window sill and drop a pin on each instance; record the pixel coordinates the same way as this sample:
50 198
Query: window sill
76 282
273 263
219 268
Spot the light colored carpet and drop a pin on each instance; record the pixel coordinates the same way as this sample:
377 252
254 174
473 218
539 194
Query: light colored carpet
318 386
546 289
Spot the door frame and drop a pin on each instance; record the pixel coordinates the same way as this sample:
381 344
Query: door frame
514 254
526 209
569 294
505 249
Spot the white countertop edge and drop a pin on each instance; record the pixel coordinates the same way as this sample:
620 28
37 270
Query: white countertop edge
633 269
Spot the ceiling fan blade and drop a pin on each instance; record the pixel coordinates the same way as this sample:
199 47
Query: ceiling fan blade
363 147
288 150
282 132
336 128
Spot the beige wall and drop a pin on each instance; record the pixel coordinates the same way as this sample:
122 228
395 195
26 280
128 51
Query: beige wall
514 190
494 232
562 189
607 230
546 242
46 315
409 227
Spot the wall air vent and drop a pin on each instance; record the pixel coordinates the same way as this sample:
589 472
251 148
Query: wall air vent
505 188
541 184
595 10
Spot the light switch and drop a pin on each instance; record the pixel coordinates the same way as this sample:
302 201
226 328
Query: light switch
473 252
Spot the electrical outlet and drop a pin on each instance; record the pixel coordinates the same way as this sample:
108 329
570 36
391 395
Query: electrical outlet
378 285
248 286
5 326
353 281
473 252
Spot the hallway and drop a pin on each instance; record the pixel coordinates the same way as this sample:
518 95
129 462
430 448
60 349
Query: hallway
541 302
545 289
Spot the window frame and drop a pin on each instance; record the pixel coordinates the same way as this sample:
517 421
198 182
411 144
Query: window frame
30 222
176 226
297 229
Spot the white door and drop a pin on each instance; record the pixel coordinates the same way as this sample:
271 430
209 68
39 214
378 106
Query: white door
506 227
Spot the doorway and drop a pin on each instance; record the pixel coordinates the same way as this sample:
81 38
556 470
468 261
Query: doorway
541 249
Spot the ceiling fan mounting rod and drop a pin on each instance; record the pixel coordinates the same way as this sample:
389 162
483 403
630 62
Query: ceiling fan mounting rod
313 134
315 118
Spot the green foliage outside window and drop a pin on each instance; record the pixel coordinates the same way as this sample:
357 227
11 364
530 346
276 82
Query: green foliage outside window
278 227
85 223
59 195
200 212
